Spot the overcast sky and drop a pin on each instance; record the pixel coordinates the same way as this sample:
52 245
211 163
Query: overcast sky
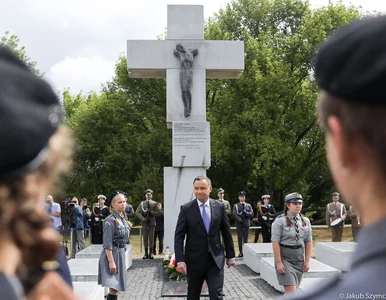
77 42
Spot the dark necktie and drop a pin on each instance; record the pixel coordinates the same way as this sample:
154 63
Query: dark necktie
242 206
297 234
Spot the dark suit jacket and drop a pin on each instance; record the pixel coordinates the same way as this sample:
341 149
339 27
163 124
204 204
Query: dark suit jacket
198 241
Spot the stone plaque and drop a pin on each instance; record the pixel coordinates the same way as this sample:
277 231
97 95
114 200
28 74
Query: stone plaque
191 144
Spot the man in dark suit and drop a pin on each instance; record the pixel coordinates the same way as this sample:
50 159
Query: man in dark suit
200 221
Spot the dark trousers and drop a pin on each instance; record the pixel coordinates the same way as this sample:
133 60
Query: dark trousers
160 235
242 235
337 234
257 233
266 232
211 273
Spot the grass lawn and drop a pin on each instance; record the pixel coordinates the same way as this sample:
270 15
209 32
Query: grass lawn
318 235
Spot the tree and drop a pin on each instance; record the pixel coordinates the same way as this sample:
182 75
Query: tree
12 42
265 137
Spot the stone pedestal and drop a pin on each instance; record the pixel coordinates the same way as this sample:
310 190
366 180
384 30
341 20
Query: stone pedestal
337 255
178 183
84 270
94 252
253 253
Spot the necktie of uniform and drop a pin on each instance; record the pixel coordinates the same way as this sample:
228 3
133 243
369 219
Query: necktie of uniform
297 234
205 217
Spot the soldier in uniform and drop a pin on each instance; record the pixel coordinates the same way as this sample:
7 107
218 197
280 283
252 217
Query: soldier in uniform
355 222
242 212
266 215
220 195
291 243
335 210
350 68
129 210
256 221
146 212
99 212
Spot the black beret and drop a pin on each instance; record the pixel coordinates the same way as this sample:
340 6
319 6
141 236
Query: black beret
242 193
220 191
293 198
112 195
351 64
30 114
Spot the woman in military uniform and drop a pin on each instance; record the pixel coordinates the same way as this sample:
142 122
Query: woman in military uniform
289 232
99 212
116 231
266 214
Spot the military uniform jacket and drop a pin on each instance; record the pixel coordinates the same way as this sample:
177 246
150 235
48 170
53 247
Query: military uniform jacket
355 221
266 218
366 277
284 234
242 212
146 212
227 206
334 211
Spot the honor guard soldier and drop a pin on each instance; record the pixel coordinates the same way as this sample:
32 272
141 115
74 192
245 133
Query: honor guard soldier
99 212
355 222
290 233
266 214
146 212
129 210
220 195
242 212
335 216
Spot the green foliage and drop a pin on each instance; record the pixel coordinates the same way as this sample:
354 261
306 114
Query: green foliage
12 42
265 137
122 138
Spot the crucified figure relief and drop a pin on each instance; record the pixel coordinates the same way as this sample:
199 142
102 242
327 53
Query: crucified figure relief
186 75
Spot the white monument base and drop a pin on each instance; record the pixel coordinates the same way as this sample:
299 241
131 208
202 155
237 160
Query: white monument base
337 255
83 269
319 272
178 190
94 252
253 253
89 290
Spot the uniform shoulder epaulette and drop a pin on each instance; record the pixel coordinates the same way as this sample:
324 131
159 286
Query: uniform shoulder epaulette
280 216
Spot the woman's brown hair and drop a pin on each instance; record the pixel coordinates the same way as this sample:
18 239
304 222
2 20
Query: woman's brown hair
364 122
22 217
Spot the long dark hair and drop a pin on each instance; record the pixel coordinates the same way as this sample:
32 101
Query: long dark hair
289 222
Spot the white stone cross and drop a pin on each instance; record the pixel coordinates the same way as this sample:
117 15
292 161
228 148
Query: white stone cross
191 135
155 59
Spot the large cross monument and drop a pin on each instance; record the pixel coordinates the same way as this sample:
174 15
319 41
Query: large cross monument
186 60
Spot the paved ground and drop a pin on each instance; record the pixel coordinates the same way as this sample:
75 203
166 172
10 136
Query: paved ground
145 279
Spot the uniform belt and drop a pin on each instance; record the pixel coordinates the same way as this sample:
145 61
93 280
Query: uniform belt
119 245
291 246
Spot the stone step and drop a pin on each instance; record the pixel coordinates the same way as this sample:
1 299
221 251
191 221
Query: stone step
88 290
83 270
337 255
318 270
94 252
253 253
